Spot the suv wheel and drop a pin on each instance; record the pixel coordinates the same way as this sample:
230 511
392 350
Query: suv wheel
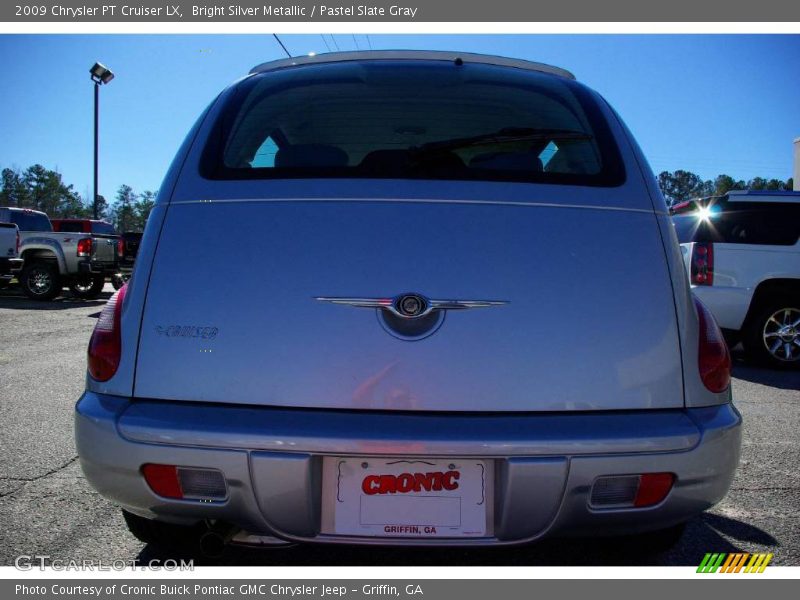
40 281
164 535
772 337
88 287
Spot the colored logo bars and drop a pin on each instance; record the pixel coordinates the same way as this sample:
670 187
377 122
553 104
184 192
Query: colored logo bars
733 563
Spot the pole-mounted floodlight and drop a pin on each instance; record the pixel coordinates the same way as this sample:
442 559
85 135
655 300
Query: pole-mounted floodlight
100 75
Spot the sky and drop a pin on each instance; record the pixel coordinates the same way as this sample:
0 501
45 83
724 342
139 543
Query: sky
709 104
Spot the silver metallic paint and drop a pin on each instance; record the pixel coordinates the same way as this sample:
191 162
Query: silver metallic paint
552 457
539 489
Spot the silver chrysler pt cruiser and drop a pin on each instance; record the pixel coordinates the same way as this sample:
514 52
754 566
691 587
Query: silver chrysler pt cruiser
402 297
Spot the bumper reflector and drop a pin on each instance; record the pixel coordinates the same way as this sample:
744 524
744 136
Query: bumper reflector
626 491
614 491
202 484
185 483
653 488
163 480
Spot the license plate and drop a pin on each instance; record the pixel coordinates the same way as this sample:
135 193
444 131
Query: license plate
406 497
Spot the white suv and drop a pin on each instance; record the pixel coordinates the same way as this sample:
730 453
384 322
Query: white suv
742 252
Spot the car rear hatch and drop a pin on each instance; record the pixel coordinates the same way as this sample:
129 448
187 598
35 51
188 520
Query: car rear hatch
570 304
589 321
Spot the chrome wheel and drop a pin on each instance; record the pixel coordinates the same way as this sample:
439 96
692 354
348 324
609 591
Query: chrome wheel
782 334
40 281
87 287
83 285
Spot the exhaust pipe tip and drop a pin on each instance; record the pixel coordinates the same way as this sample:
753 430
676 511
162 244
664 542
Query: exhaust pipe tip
214 541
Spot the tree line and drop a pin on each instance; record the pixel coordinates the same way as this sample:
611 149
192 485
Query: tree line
42 189
685 185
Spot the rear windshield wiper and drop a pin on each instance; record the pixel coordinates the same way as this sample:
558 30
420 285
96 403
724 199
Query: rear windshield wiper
502 136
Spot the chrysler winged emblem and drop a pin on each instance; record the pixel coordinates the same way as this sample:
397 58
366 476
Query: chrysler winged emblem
411 305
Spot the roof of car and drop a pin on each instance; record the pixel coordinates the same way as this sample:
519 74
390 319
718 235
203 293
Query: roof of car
79 220
763 196
20 208
467 57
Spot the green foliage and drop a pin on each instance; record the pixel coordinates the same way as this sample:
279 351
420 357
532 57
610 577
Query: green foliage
143 206
102 208
130 211
41 189
685 185
680 185
123 214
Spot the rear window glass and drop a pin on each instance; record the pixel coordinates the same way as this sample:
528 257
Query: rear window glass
412 119
104 228
69 226
776 224
30 221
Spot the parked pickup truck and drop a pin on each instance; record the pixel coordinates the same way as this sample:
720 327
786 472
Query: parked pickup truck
742 253
83 226
54 259
9 251
128 249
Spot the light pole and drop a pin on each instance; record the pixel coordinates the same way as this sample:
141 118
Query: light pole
100 75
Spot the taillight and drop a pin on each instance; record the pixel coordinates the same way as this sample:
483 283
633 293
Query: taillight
163 480
121 247
85 247
105 345
703 263
713 356
185 483
631 491
17 242
653 488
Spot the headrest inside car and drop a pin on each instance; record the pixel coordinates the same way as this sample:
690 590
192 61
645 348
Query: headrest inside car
310 155
507 161
402 162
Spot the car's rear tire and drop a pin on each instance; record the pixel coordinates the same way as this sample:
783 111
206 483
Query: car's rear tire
40 281
732 338
164 535
119 279
773 328
4 283
87 287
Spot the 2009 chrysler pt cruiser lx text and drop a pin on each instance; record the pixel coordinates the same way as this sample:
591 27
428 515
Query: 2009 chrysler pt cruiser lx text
457 314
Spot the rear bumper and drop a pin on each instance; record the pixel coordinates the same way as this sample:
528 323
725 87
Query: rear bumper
127 262
9 267
97 268
544 465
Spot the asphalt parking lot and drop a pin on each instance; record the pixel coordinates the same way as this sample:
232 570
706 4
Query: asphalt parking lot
47 508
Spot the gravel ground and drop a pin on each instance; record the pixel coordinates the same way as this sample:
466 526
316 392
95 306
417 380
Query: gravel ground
47 508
